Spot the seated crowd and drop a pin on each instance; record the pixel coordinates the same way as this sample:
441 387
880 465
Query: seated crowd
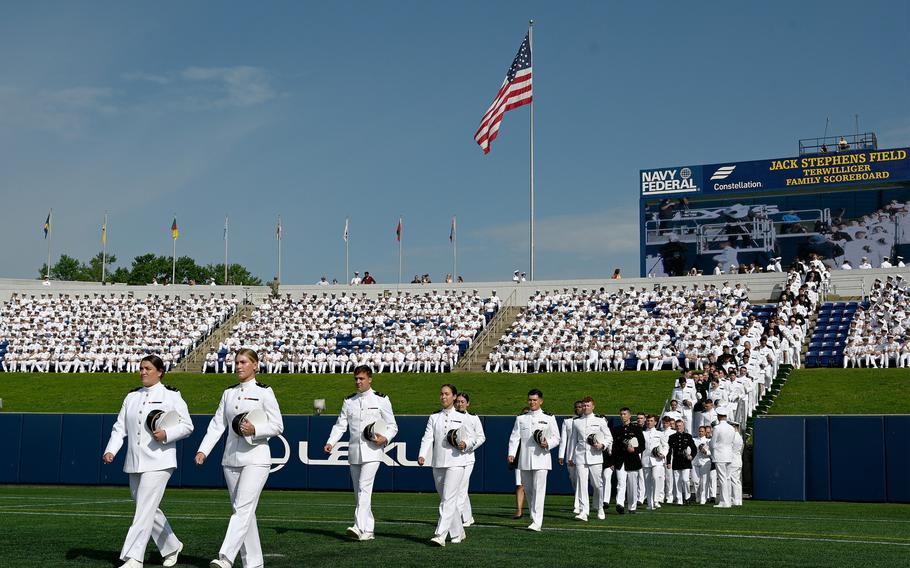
72 333
879 335
406 332
665 327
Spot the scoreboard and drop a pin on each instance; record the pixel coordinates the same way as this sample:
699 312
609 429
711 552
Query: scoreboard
845 205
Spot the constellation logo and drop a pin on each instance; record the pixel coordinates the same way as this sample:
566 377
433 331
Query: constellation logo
723 172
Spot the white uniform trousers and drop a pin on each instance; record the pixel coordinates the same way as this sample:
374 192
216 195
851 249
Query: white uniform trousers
363 476
627 488
535 484
244 487
608 485
736 484
703 481
681 479
589 473
147 489
573 479
654 484
464 500
713 491
667 494
642 492
723 484
448 485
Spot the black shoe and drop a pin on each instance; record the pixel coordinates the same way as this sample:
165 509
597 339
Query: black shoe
620 509
631 511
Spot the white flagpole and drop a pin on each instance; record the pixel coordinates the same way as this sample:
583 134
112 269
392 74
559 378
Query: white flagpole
279 249
103 246
347 235
454 250
531 48
174 263
225 249
50 237
400 231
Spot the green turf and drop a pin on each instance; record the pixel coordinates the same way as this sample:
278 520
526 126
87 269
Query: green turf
845 391
418 394
81 526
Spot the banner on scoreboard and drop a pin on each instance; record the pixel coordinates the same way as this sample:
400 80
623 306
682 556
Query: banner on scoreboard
797 174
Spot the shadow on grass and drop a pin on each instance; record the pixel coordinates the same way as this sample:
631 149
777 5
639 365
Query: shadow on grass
114 560
321 532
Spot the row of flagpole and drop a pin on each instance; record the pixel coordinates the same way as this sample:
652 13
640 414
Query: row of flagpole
175 234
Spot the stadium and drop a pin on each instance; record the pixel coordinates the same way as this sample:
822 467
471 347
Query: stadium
766 335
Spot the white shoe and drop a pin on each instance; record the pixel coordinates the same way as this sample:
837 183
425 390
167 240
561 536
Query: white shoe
366 536
132 563
468 523
353 532
458 539
439 540
171 559
582 517
219 563
601 515
534 527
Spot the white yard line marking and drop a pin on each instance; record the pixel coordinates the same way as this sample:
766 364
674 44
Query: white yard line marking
649 533
64 503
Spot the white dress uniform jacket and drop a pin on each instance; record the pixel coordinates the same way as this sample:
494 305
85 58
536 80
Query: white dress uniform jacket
532 456
722 443
479 437
567 447
358 411
434 446
144 453
240 398
584 453
655 438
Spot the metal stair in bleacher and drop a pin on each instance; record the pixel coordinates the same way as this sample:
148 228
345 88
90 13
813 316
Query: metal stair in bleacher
826 347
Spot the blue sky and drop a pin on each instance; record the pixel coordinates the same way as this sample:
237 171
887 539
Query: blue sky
318 111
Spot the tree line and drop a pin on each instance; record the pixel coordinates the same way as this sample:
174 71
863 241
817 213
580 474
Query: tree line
145 269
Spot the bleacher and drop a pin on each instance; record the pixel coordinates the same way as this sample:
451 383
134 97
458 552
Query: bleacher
826 348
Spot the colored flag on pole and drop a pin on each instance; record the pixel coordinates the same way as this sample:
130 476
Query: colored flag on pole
47 225
346 231
398 230
452 231
175 232
103 233
278 232
514 92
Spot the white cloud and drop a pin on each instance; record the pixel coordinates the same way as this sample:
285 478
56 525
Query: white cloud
66 112
239 86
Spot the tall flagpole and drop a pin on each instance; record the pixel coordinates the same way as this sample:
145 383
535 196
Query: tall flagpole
103 246
225 250
50 237
454 250
347 235
174 262
279 249
400 230
531 48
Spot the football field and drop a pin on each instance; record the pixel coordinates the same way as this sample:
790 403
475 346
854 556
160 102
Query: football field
85 526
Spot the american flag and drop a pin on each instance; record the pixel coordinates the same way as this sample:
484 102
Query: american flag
398 230
278 232
452 231
514 92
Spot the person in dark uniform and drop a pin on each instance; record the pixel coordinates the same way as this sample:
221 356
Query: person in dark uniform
673 254
682 451
628 445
